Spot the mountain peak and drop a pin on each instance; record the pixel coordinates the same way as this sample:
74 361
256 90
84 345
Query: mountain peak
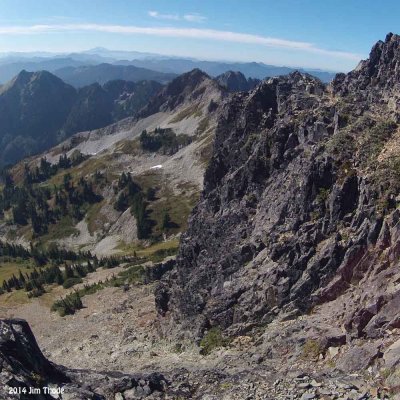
235 81
193 77
380 70
189 85
22 78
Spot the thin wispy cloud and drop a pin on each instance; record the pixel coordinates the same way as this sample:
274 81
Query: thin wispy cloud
190 33
194 17
157 15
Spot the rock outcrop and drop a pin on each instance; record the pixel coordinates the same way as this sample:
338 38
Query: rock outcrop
298 208
26 374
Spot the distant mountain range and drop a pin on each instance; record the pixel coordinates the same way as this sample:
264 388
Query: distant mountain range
102 73
214 68
78 68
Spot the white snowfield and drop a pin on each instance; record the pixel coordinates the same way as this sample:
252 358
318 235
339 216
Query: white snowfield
157 167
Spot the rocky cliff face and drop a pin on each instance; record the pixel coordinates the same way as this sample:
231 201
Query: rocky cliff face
299 207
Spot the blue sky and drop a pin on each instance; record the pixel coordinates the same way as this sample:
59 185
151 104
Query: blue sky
327 34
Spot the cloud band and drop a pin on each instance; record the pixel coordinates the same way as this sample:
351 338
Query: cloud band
192 33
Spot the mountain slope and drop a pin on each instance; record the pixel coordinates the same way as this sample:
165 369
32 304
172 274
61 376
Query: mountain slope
165 148
102 73
33 107
38 110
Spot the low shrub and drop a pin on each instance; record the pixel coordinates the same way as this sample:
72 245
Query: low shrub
213 339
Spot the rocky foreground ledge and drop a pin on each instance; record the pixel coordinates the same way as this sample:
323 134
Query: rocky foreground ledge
26 374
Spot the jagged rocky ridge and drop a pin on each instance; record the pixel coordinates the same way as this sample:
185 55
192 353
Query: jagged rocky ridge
299 207
187 87
235 81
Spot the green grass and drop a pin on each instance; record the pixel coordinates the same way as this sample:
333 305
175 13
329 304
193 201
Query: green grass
156 252
95 220
16 297
68 305
8 269
129 147
62 229
311 349
191 111
178 207
374 141
84 169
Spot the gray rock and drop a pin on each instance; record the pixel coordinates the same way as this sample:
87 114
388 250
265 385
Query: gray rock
359 357
308 396
392 355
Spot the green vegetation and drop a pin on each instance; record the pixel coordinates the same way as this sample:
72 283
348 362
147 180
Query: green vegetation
47 210
322 195
128 146
156 207
178 204
131 195
133 274
95 220
311 349
385 172
165 141
69 305
47 267
213 339
342 143
10 267
155 253
71 282
374 141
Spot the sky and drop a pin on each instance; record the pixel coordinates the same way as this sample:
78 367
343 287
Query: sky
326 34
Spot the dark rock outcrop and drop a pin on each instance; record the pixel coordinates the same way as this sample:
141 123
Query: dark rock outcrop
298 204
